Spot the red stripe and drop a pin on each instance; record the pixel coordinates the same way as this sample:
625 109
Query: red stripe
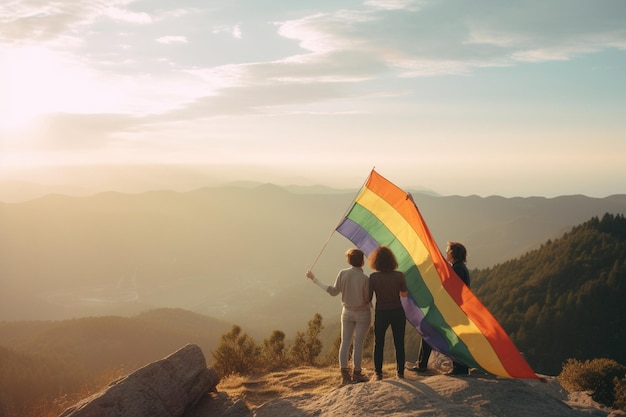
507 352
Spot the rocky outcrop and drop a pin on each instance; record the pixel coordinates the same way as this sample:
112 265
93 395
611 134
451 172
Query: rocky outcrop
181 385
166 388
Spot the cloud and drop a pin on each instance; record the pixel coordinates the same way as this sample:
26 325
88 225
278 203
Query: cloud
168 40
330 54
250 100
394 4
233 30
42 20
452 38
325 32
345 52
128 16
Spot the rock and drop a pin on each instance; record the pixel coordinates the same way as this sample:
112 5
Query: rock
181 385
438 395
219 404
166 388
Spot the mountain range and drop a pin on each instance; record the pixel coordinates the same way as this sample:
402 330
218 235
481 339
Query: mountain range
236 253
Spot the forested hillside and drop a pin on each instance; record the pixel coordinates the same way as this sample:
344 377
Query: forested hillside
565 299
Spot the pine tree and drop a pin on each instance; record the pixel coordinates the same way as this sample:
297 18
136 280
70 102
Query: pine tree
237 353
557 301
307 346
274 352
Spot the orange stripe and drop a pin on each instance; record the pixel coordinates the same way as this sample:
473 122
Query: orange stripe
508 355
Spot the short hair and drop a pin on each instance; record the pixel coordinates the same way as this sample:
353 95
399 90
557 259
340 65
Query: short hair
383 259
355 257
457 251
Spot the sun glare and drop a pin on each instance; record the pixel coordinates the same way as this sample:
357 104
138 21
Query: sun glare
22 84
35 81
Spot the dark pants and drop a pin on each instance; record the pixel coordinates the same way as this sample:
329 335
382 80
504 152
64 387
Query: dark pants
423 355
397 320
459 368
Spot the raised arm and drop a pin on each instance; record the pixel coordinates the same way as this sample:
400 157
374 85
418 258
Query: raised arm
311 276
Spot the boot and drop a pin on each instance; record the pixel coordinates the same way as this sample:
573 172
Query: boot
346 378
357 376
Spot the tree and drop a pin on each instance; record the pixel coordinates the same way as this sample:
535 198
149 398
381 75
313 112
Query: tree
237 353
274 352
330 357
560 297
307 346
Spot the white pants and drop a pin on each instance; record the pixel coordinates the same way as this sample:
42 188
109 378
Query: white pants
353 323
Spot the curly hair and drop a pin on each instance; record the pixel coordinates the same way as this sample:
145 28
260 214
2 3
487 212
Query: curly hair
383 259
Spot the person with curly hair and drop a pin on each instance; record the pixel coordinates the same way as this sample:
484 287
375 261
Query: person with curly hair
388 284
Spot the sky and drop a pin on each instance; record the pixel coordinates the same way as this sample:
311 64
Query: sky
483 97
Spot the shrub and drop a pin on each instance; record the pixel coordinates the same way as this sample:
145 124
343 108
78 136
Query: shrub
237 353
330 358
598 376
307 346
620 393
274 352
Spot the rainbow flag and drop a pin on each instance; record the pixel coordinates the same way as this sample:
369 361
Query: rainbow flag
439 305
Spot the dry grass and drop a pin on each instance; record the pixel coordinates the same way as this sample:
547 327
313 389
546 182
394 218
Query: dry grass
256 390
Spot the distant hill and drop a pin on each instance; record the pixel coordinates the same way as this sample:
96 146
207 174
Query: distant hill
566 298
44 359
90 345
93 344
235 253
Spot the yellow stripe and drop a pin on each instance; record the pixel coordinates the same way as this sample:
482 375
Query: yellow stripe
463 326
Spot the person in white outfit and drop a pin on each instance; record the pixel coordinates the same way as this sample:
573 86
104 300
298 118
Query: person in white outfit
352 284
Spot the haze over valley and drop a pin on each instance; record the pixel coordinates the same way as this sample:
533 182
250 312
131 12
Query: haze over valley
234 253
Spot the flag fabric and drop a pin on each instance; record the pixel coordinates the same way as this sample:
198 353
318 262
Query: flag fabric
445 312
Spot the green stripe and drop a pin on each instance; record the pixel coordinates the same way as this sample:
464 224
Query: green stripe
415 282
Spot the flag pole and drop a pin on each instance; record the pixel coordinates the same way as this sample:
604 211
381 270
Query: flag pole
342 217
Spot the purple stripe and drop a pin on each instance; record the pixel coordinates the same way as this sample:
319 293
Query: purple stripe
416 317
364 241
357 235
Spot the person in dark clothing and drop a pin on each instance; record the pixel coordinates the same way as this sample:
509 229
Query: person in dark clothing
422 358
456 255
388 284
